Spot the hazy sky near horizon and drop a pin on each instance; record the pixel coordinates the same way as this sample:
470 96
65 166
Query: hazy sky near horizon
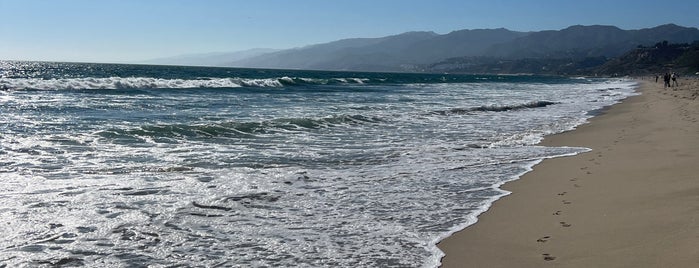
135 30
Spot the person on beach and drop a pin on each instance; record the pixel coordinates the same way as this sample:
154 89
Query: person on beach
666 79
674 79
656 78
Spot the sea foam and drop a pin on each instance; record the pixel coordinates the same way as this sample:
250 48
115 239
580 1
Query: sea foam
329 172
155 83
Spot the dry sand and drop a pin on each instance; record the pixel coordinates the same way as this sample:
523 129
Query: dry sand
633 201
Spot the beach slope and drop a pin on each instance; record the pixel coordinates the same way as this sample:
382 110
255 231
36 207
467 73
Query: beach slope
632 201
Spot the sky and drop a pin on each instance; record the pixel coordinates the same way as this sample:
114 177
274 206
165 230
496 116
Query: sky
137 30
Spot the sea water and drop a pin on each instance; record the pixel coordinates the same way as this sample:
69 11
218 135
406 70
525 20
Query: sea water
133 165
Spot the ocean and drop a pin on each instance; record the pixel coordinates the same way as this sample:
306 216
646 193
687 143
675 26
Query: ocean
110 165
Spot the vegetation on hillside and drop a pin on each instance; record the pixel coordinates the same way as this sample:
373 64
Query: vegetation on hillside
660 58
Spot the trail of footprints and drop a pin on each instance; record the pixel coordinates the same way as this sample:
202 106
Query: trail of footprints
547 256
544 239
684 113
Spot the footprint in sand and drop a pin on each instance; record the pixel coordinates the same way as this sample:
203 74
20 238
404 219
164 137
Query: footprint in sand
566 202
548 257
565 224
562 194
574 179
557 213
543 239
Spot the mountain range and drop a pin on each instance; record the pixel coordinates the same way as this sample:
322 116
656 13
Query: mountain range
422 51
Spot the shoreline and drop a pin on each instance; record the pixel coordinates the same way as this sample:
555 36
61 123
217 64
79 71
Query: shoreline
629 202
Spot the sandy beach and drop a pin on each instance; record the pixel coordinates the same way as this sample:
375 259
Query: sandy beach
632 201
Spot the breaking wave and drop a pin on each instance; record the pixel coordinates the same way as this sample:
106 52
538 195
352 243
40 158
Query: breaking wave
154 83
239 129
495 108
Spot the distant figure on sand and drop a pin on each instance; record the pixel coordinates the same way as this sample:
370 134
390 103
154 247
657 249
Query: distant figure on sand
666 79
674 79
656 78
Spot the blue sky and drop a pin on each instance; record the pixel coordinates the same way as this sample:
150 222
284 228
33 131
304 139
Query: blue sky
133 30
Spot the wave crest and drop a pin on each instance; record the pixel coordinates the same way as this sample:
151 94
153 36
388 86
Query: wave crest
155 83
238 129
495 108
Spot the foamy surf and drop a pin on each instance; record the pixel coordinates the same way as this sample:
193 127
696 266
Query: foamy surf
155 83
294 168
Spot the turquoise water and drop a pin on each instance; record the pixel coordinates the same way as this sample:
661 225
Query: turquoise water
127 165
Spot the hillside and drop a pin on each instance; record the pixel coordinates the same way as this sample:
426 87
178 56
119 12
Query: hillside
574 50
491 65
575 47
357 53
660 58
589 41
401 52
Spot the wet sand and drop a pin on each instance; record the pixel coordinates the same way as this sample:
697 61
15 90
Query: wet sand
633 201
